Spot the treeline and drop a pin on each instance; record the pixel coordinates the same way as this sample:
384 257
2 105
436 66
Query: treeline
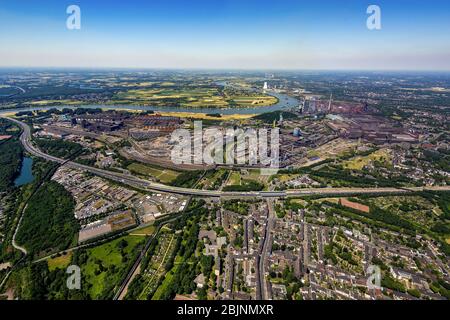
376 214
270 117
248 185
347 177
48 223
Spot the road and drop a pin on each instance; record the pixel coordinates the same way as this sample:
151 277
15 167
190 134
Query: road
265 292
153 186
14 244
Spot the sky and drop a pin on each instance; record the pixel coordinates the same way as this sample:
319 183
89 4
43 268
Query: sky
227 34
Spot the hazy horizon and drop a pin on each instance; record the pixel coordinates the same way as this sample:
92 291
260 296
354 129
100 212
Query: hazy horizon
228 35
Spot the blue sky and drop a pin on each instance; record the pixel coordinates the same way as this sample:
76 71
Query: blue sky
238 34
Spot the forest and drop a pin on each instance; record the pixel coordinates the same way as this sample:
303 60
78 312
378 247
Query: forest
48 224
10 154
10 160
59 148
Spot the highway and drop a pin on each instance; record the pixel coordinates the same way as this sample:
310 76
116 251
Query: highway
136 182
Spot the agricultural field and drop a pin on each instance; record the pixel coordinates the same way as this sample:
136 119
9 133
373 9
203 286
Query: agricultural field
162 175
243 101
199 96
186 97
242 97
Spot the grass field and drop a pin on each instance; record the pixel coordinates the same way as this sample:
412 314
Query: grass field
254 174
243 177
145 231
59 262
235 178
107 263
300 201
163 175
244 101
358 163
285 177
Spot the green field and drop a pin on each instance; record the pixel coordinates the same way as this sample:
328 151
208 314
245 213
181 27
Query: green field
254 100
108 263
358 163
145 231
238 178
60 262
163 175
234 179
